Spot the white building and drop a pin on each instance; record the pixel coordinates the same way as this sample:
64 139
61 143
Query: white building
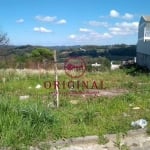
143 45
96 65
114 66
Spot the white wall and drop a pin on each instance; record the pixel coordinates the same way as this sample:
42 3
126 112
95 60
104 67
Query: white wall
143 45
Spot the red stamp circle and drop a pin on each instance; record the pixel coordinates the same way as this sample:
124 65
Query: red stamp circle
75 67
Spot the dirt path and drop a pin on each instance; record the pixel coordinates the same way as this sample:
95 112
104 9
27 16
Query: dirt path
134 140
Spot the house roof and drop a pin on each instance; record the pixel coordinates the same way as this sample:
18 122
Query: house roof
146 18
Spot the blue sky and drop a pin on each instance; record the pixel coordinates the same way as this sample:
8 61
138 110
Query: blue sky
72 22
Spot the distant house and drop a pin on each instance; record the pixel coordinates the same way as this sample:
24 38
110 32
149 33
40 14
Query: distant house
143 45
96 65
114 66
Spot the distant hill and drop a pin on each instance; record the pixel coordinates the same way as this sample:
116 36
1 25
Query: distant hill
8 54
113 52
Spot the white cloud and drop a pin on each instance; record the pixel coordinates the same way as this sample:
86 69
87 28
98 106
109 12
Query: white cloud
88 36
52 19
41 29
131 25
117 31
62 21
46 18
128 16
93 35
124 28
20 20
114 14
98 36
85 30
72 36
107 35
98 23
103 17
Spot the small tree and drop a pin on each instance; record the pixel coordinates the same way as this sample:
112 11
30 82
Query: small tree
39 55
105 63
4 39
20 61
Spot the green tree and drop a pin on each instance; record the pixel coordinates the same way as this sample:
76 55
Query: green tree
4 39
41 55
20 61
105 64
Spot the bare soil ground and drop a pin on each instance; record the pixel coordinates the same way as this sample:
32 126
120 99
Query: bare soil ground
133 140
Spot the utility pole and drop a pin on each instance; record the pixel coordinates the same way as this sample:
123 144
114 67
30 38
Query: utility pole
56 79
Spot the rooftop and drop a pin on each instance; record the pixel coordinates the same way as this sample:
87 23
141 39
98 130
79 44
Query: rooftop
146 18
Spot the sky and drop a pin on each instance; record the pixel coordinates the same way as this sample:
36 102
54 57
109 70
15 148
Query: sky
72 22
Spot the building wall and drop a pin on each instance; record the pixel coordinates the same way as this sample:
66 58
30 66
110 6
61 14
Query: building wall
141 30
143 47
143 60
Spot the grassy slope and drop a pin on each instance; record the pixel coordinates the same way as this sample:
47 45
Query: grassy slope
27 122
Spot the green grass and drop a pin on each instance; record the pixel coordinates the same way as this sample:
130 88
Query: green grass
28 122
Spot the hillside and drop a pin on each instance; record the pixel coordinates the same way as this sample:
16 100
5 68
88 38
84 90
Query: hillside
8 54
